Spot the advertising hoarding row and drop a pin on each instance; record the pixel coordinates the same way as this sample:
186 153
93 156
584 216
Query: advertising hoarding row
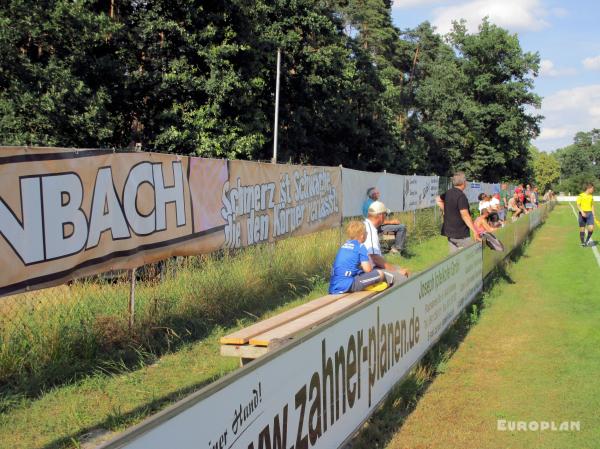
319 389
74 213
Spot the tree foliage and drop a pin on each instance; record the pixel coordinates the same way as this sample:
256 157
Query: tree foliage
546 170
580 162
198 77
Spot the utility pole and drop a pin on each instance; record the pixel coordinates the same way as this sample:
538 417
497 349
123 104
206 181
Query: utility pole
276 124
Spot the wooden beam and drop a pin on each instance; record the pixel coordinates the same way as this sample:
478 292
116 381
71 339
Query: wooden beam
243 335
310 320
243 351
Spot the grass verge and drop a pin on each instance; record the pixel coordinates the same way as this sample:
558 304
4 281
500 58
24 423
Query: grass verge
531 357
204 299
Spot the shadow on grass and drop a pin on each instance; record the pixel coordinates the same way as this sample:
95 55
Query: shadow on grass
118 420
123 352
402 400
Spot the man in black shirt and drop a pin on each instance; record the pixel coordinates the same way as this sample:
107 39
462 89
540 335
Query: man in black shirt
457 218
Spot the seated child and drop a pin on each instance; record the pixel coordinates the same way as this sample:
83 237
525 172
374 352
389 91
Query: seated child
352 270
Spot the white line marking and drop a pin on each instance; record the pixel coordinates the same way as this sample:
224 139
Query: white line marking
594 249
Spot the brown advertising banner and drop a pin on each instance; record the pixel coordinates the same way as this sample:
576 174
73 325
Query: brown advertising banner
72 213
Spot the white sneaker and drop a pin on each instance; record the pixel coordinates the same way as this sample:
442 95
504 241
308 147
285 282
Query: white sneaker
389 277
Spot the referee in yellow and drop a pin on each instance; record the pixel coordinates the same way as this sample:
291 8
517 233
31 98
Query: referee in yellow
585 204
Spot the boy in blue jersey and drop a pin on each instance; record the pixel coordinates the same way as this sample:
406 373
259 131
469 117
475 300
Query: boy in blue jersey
352 270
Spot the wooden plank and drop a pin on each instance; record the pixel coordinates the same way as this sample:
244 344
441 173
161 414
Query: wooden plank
243 351
310 320
243 336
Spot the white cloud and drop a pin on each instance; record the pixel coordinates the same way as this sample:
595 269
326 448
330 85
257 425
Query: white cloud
515 15
592 63
414 3
547 69
553 133
595 111
567 112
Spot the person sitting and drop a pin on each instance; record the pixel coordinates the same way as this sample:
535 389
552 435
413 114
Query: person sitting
487 203
375 218
529 201
388 226
515 206
497 208
484 202
481 223
352 270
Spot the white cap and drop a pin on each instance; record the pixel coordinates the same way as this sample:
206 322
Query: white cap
377 207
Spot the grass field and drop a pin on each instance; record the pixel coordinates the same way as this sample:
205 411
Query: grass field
111 399
532 356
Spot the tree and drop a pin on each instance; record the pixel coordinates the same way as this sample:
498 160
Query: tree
500 85
579 162
546 171
58 75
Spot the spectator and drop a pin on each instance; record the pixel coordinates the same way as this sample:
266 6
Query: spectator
352 270
536 196
375 218
457 218
515 206
529 199
504 195
497 213
388 226
484 202
481 223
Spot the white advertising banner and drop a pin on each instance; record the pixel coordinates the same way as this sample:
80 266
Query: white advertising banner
355 184
420 192
474 188
318 390
392 191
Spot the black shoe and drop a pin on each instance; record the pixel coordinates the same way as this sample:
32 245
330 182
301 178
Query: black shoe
583 245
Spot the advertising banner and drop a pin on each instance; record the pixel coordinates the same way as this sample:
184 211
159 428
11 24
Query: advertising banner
72 213
355 184
68 214
318 390
264 202
420 192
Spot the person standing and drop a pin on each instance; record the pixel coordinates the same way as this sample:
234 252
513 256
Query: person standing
504 195
388 226
457 217
585 205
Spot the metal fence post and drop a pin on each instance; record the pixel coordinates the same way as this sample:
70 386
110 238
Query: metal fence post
131 298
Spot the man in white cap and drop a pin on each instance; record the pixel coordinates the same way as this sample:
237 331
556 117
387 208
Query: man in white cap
375 218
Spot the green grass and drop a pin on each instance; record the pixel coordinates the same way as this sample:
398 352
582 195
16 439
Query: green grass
532 355
63 416
56 335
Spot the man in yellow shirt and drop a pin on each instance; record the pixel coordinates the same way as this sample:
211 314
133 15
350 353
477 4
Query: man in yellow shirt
585 204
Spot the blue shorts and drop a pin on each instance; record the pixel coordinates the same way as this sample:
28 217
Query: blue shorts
586 221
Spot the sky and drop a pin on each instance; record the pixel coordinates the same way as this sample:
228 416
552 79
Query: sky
566 34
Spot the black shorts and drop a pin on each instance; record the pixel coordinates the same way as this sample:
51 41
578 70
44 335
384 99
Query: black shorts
586 221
